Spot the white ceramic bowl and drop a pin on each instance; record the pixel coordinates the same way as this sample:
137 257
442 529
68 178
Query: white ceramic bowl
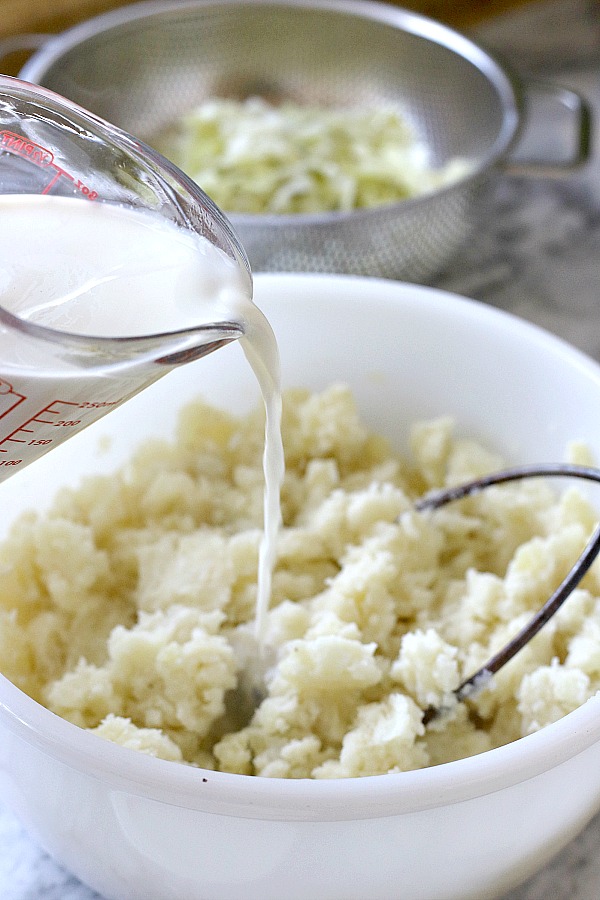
137 828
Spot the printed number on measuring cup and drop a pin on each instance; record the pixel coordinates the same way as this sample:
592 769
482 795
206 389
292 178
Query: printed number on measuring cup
87 404
67 422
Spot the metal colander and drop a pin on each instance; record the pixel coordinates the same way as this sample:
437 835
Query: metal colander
144 65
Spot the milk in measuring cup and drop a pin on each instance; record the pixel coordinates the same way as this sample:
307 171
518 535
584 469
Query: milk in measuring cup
83 267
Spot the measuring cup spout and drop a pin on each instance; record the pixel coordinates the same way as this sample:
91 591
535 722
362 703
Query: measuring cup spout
47 397
227 334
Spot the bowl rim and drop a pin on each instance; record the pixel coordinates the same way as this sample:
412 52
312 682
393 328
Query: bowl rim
505 82
255 797
329 799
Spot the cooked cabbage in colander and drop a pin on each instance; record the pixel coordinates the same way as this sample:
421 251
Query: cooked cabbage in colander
254 157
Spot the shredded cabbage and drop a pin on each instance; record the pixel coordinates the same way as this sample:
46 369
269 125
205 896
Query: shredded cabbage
254 157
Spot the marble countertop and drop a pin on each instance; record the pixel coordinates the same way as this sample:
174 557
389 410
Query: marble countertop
536 252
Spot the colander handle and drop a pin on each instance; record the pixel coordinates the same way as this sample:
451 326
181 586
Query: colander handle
576 107
18 42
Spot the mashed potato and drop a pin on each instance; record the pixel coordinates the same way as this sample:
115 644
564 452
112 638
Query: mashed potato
123 608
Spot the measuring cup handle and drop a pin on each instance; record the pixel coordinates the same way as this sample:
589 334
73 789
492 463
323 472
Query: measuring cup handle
581 118
19 42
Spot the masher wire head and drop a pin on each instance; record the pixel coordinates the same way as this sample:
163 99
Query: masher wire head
435 500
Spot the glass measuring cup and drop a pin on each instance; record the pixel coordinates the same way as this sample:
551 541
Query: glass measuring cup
59 369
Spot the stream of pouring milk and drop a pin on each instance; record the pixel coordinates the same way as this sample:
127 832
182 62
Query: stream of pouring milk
89 268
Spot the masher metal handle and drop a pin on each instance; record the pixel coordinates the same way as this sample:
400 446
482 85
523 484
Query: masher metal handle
437 499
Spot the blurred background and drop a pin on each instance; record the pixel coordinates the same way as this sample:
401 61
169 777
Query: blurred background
18 16
51 15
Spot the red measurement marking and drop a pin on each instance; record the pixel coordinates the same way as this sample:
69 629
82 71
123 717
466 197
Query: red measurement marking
21 434
42 157
22 146
58 175
9 398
